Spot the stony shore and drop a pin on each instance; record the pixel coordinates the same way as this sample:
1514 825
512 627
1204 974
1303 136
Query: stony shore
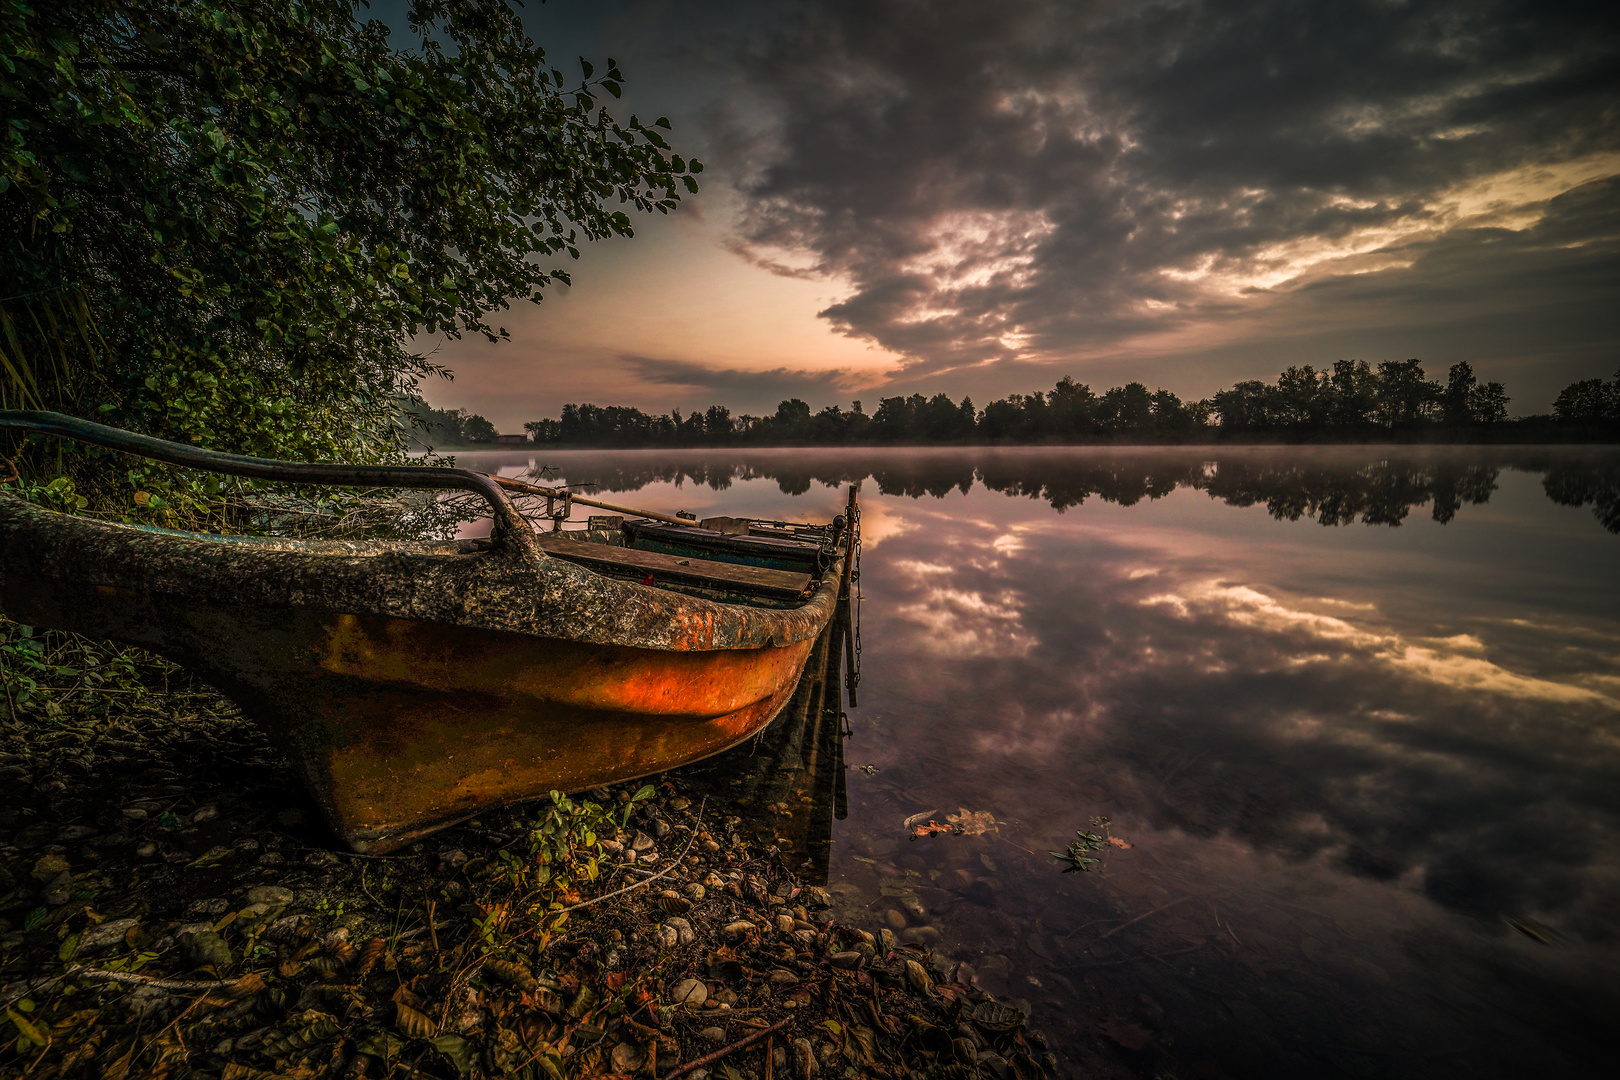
171 907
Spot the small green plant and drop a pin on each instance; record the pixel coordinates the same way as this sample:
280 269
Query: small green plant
1076 854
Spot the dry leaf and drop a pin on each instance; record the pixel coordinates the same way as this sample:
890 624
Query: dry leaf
1117 842
972 822
418 1025
932 828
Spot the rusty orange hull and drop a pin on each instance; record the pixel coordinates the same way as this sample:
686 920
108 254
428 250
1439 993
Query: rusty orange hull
431 727
417 684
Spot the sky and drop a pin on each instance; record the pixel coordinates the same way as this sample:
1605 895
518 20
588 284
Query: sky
906 196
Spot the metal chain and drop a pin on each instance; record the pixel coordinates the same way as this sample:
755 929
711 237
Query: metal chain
853 677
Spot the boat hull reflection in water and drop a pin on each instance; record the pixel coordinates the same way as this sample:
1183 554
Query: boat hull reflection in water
788 783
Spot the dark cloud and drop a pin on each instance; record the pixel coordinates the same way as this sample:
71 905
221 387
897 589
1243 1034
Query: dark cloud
1037 180
742 391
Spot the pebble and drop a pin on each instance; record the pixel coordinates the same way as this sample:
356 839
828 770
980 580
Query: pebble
668 936
784 924
851 959
58 889
641 842
736 931
886 940
214 906
917 977
203 947
134 813
695 892
803 1058
922 935
271 858
710 846
782 977
688 992
107 934
895 918
713 1034
206 813
628 1058
684 934
270 894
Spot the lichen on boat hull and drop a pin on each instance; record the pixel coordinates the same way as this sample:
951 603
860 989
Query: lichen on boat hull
414 685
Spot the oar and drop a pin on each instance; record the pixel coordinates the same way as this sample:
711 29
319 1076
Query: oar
553 493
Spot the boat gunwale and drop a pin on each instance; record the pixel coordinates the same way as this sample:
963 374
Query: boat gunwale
500 589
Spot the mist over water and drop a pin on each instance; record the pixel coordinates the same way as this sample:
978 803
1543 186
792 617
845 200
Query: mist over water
1356 711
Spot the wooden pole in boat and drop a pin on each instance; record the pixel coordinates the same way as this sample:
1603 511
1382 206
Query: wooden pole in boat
535 489
847 589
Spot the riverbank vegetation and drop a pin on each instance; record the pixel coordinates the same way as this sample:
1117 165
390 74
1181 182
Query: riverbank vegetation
1350 402
222 222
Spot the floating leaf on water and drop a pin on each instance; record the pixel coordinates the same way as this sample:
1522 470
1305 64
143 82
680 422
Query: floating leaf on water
1117 842
934 828
972 822
868 769
914 818
1130 1036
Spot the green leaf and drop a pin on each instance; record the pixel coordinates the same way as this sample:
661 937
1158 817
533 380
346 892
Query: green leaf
457 1049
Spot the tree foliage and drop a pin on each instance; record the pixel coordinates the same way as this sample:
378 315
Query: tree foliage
1589 401
222 221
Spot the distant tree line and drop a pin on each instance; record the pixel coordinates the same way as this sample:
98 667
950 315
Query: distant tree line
1352 399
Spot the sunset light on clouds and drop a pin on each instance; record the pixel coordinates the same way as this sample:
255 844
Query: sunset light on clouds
979 199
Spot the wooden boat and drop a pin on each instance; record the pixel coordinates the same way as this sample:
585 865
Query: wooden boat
787 786
415 684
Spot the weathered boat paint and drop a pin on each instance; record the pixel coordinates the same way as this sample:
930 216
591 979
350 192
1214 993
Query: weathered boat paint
417 684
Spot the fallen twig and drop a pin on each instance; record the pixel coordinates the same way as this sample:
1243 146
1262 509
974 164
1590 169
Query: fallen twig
1145 914
252 979
709 1059
673 864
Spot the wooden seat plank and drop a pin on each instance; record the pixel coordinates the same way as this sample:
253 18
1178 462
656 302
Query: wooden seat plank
676 568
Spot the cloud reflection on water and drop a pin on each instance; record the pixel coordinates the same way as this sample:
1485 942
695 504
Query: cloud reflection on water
1315 726
1358 748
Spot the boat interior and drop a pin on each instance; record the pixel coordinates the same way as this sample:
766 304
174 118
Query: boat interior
730 560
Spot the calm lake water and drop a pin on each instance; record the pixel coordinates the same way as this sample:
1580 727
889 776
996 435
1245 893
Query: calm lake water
1356 712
